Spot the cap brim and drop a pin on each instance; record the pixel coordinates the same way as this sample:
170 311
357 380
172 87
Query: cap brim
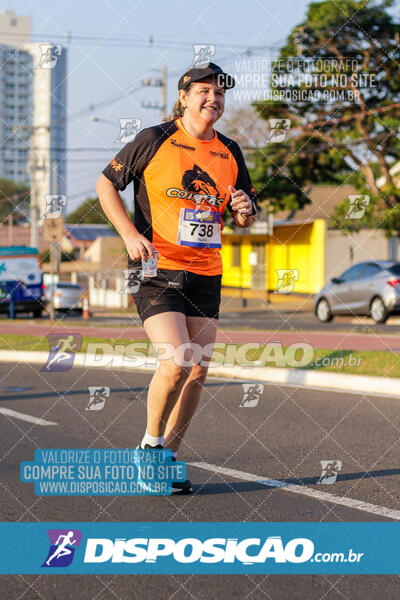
228 84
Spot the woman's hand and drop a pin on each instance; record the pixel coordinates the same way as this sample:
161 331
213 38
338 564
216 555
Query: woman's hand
138 247
240 202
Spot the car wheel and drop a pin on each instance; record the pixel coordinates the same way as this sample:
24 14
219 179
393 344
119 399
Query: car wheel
378 310
323 311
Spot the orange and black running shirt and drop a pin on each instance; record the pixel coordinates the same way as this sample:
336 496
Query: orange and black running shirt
181 190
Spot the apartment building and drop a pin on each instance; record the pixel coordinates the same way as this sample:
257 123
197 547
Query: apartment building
33 108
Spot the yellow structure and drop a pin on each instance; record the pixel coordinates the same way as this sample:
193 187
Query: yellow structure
251 260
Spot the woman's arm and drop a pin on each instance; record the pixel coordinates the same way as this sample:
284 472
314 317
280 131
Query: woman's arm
245 220
137 245
242 208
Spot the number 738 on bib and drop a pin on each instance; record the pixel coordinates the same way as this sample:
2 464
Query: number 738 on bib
199 228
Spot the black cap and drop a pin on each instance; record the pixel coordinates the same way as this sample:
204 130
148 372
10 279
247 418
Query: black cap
198 73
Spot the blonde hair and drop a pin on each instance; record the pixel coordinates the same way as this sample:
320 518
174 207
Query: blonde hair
177 111
178 108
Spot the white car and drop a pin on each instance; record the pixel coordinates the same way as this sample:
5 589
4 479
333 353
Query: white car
67 295
368 288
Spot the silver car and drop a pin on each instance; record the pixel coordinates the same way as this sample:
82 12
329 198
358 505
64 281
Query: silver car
67 295
367 288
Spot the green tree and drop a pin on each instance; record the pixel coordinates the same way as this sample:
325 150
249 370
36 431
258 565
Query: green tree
89 212
14 200
351 136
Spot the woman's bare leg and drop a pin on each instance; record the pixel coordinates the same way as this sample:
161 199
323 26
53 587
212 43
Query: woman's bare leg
201 331
166 384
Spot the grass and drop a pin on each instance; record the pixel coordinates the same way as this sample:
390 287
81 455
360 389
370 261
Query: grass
41 344
373 362
384 364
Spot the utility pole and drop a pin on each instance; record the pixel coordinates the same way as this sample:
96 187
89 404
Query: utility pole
164 92
10 230
34 238
270 247
161 83
54 245
33 167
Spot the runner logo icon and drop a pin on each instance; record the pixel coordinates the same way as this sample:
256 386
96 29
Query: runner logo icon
54 205
203 53
286 280
132 280
278 130
62 547
251 394
357 206
62 352
50 53
129 128
98 396
330 470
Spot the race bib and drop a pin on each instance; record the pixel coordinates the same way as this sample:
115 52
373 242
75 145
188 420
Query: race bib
199 228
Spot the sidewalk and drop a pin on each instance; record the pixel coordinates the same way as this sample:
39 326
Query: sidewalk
249 300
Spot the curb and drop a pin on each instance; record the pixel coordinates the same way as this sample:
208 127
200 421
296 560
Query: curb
382 386
372 385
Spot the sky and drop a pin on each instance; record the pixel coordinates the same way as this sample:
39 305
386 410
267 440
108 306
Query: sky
113 44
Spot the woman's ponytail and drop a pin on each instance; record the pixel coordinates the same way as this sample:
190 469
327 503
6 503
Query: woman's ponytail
178 109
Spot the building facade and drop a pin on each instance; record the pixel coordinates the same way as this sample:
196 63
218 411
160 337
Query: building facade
16 112
33 96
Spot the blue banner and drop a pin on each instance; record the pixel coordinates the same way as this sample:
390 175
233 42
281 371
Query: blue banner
98 472
204 548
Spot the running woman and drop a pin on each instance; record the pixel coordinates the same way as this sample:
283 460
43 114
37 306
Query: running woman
184 174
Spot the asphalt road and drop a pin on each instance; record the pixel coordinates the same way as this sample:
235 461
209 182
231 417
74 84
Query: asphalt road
274 318
277 318
284 437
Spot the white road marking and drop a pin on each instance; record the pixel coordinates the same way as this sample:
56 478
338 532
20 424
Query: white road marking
25 417
302 490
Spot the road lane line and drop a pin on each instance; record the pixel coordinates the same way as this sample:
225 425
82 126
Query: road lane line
24 417
302 490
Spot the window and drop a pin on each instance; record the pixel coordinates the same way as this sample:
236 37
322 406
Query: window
395 269
353 273
236 262
370 270
66 285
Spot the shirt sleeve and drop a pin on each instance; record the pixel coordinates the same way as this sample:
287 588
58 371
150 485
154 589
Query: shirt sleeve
131 161
243 181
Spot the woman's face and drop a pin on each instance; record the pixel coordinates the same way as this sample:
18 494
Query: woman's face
204 100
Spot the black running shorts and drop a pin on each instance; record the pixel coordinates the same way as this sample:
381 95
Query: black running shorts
178 291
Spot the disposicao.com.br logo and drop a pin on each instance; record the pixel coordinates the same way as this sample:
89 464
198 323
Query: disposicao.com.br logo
247 551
